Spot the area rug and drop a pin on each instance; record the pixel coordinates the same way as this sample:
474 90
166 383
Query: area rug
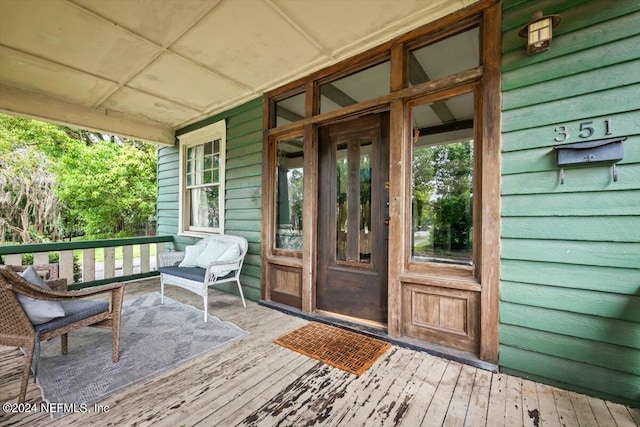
349 351
153 339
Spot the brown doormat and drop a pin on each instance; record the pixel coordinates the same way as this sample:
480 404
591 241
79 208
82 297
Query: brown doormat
346 350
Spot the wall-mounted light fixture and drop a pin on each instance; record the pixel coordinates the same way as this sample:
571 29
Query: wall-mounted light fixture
539 32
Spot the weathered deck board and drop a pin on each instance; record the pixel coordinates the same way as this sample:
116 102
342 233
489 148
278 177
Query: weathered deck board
426 392
583 410
457 411
478 403
440 403
409 393
530 404
253 382
548 409
268 391
620 414
600 410
496 414
513 408
566 411
384 412
360 414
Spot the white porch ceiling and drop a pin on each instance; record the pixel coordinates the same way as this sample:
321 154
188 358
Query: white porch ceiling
144 68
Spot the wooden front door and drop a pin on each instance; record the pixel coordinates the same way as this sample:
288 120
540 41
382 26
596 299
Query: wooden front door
353 218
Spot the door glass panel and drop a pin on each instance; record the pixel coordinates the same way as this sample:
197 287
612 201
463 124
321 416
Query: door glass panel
353 201
289 187
442 182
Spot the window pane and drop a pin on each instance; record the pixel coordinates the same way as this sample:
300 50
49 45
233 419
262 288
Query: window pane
358 87
199 156
353 201
444 58
342 202
442 182
208 146
289 190
204 207
290 110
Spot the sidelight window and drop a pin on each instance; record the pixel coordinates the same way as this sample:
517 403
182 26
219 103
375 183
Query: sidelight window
289 190
443 181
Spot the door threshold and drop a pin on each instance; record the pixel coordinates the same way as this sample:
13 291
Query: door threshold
379 332
352 319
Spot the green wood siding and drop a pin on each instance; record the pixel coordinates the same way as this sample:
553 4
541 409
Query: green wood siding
243 187
570 254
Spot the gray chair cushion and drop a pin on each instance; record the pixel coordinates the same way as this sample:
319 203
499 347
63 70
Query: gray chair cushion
191 273
74 311
39 311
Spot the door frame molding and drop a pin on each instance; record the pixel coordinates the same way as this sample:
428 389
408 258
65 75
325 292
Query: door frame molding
486 15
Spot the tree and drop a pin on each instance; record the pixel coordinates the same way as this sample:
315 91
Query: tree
103 185
442 179
29 207
109 187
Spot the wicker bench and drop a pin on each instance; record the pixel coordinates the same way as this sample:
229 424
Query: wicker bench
198 279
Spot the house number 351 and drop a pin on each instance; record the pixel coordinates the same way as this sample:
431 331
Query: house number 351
585 130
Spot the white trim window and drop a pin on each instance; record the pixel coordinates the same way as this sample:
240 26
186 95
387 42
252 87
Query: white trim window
202 177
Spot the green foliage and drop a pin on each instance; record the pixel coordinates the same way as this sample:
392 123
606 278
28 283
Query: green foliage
452 223
442 196
105 186
295 194
109 188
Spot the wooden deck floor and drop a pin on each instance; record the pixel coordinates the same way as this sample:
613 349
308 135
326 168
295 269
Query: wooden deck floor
254 382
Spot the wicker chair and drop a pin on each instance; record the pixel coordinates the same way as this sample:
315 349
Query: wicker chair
17 330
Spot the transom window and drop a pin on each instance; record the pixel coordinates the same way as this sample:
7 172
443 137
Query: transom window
202 180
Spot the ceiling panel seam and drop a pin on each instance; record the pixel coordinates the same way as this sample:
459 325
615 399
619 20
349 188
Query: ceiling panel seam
306 34
60 64
306 69
212 71
397 28
95 76
160 50
219 108
102 78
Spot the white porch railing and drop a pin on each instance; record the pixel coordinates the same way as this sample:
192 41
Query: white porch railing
94 270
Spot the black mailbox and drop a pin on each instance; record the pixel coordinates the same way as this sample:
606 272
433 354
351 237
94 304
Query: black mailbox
607 151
